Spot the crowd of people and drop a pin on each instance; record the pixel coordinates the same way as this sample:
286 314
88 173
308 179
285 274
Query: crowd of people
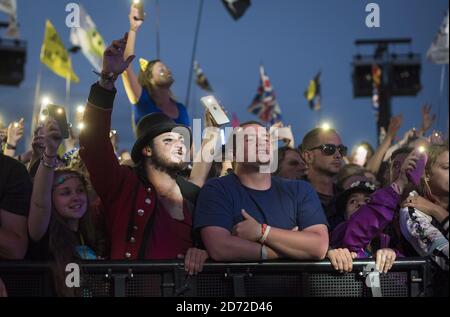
157 202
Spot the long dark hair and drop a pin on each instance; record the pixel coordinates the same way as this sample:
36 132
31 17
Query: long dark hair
62 240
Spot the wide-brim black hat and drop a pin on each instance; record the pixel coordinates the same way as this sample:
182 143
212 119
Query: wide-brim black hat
152 125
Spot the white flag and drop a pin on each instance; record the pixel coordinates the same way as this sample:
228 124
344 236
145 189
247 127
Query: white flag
438 52
89 40
9 7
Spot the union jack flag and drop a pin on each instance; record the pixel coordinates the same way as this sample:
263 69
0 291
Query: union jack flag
265 104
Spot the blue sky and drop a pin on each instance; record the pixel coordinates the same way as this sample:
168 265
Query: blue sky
292 38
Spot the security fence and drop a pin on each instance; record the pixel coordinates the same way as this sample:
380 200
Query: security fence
407 278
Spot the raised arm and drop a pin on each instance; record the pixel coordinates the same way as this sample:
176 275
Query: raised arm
15 133
130 80
371 219
41 198
374 163
96 149
204 158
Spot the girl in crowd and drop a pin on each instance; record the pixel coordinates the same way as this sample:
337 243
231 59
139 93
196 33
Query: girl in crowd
424 218
59 223
368 212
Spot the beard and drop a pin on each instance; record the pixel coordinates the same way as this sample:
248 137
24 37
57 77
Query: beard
164 81
162 164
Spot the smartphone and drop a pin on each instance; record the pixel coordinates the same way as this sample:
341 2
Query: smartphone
59 114
217 113
285 133
139 5
361 156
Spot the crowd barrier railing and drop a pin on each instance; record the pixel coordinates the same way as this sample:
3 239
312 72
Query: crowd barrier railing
407 278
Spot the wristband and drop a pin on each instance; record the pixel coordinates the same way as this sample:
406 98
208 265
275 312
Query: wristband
50 166
265 233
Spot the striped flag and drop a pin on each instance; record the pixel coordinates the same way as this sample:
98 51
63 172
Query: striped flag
265 104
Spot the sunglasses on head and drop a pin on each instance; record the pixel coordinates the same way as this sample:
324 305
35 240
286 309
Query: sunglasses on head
330 149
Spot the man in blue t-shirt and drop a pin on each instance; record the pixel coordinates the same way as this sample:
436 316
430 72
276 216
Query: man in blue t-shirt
251 215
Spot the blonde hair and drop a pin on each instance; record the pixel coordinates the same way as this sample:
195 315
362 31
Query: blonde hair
433 153
146 75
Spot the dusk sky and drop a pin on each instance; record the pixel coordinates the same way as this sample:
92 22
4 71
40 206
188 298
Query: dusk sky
292 38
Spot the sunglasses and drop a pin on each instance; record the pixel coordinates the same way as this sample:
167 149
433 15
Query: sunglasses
330 149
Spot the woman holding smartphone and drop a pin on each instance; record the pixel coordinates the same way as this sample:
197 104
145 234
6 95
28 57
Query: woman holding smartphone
60 225
149 91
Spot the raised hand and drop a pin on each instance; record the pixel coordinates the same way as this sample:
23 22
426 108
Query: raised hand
52 137
394 126
38 143
135 22
427 118
410 170
113 58
15 132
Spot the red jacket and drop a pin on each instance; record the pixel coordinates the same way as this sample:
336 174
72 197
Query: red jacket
131 208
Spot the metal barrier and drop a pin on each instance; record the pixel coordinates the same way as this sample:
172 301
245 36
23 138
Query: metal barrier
407 278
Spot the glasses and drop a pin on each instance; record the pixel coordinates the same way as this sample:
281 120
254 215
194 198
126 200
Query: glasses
330 149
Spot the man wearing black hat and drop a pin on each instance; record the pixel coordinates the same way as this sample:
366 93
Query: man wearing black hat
148 208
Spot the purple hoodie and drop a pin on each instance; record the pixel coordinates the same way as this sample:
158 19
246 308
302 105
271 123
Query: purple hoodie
367 223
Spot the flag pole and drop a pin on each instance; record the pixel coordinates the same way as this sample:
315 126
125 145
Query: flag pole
37 92
194 50
441 93
158 39
68 96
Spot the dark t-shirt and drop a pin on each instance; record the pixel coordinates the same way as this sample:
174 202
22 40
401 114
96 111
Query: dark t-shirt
334 216
15 186
285 205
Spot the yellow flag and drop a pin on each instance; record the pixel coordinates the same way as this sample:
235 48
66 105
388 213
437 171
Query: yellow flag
55 55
